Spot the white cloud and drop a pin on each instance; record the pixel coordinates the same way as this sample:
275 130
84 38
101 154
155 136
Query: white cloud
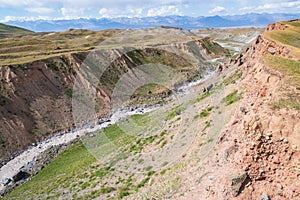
70 13
116 12
40 10
164 10
18 18
293 6
19 3
103 12
216 10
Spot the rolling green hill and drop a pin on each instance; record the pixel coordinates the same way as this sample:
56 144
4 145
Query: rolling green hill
7 30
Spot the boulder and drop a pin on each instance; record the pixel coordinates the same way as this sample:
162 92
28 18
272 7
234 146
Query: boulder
243 109
265 197
20 176
271 50
6 181
238 183
178 112
210 87
276 160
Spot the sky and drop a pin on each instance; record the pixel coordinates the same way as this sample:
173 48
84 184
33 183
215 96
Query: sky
73 9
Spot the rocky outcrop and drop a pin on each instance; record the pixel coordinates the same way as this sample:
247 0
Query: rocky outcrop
261 46
276 26
260 141
268 140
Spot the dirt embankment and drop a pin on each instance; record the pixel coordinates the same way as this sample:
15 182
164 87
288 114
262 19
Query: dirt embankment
258 151
267 138
36 101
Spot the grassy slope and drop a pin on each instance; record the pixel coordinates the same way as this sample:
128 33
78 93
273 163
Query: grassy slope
214 48
289 68
290 36
29 48
61 171
286 66
10 30
76 169
77 173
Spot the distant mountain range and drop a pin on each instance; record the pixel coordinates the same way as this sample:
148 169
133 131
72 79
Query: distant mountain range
185 22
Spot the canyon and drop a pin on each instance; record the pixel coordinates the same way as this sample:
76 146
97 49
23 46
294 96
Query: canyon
233 135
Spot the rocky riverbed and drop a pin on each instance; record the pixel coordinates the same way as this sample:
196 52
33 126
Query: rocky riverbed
29 162
25 164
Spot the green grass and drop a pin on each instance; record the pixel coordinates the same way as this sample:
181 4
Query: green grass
290 36
143 182
122 136
101 172
60 172
139 144
149 90
7 30
296 24
232 98
123 192
207 124
233 78
203 96
117 136
286 66
287 103
210 108
141 120
155 55
289 68
214 47
204 113
174 112
69 92
211 139
19 50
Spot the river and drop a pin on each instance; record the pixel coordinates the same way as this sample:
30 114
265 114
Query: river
13 166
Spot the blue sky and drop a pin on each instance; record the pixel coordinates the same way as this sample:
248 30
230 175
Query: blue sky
70 9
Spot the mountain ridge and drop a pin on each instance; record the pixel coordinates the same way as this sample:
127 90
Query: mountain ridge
185 22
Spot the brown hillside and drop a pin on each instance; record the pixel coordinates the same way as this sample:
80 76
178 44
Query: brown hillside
36 94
